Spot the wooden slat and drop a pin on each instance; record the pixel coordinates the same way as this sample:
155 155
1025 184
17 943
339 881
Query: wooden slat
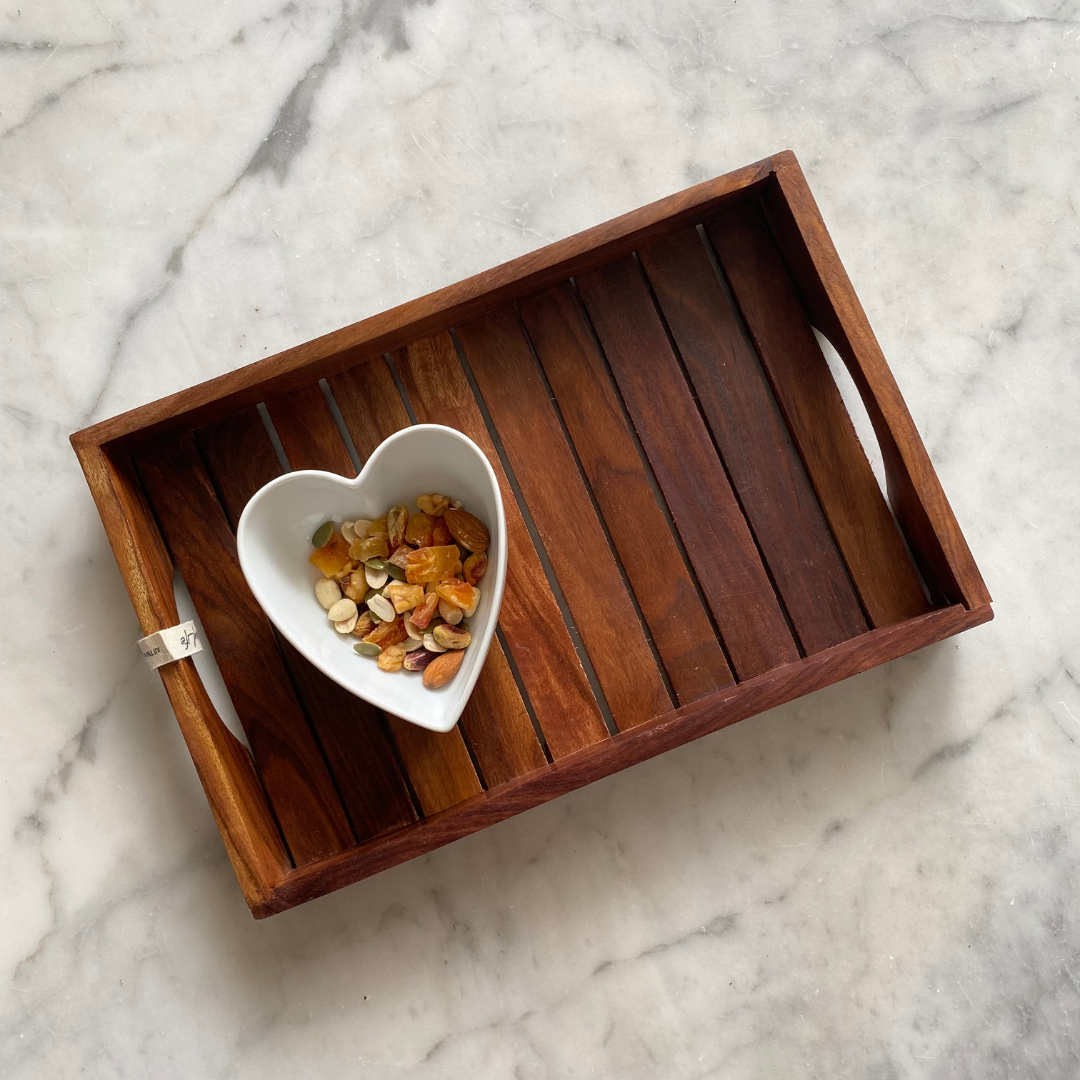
559 502
665 591
241 459
439 766
687 469
915 493
708 714
749 431
308 435
550 670
846 488
495 719
286 755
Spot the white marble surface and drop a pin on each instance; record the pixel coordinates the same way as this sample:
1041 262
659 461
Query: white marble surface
879 881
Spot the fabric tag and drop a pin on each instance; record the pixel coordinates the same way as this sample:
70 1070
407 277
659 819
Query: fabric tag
172 643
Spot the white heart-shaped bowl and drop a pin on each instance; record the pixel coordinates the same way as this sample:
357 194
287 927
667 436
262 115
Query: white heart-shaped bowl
273 539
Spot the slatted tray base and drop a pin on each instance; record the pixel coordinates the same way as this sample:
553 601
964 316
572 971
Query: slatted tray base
695 532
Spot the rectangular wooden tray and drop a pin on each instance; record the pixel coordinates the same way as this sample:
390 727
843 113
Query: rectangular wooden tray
695 532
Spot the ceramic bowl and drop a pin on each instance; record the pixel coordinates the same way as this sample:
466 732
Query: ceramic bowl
274 541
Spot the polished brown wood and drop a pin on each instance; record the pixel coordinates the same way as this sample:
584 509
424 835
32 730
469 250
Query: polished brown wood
628 748
690 474
551 672
352 733
814 410
804 278
495 720
753 441
543 463
915 493
286 754
665 591
438 766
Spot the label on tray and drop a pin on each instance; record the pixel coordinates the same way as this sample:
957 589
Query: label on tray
172 643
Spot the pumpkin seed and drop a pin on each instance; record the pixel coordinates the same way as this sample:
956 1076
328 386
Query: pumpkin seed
367 648
395 571
327 592
322 534
342 610
378 605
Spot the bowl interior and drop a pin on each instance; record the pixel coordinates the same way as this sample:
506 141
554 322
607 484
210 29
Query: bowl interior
274 542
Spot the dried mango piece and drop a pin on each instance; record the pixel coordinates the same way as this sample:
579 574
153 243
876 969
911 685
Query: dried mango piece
440 533
423 614
461 594
332 556
373 547
388 633
430 564
378 529
419 530
405 597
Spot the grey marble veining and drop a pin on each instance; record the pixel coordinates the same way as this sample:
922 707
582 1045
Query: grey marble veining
878 881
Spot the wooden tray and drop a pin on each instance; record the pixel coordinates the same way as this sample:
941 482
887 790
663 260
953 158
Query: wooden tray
695 533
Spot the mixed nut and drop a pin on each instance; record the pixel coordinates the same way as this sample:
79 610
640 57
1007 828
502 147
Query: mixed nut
399 584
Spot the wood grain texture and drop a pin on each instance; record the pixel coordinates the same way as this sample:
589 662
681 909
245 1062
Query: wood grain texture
495 718
916 494
687 469
530 618
429 315
286 754
438 766
307 431
241 460
628 748
819 423
559 502
680 627
224 767
754 443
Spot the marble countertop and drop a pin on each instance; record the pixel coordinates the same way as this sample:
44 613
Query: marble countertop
878 881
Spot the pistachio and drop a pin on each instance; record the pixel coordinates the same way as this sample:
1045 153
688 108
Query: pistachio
451 637
431 644
419 659
342 610
327 592
410 644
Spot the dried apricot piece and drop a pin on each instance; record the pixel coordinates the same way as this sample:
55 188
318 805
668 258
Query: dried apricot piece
475 567
467 530
440 533
460 594
430 564
373 547
388 633
332 556
420 530
405 597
